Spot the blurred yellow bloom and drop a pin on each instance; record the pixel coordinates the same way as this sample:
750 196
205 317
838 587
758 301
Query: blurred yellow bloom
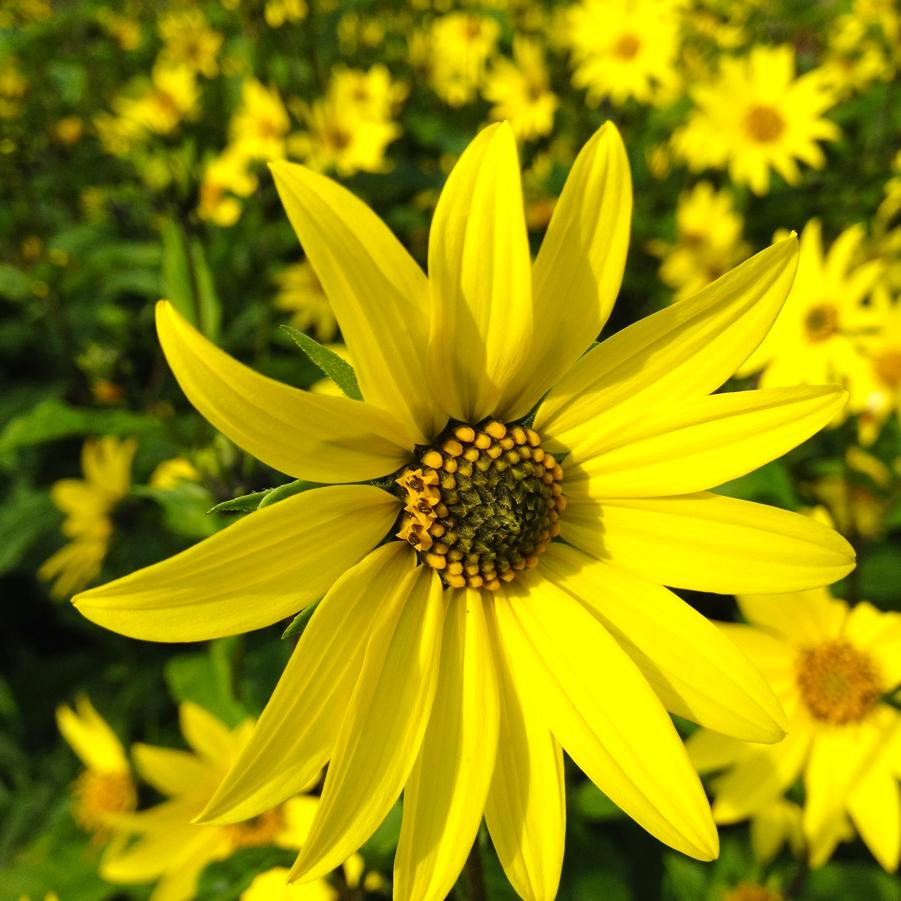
625 49
754 116
225 179
105 788
168 848
122 28
460 45
259 127
815 339
775 825
272 885
169 473
88 504
520 91
830 666
882 394
708 240
372 94
12 88
277 12
301 294
190 41
69 129
855 57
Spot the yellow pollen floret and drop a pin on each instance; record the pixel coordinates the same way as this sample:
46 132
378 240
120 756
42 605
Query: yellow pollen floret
839 684
259 831
483 504
821 322
99 794
764 124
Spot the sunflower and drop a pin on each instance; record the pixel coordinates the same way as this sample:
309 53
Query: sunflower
755 116
453 664
832 666
88 504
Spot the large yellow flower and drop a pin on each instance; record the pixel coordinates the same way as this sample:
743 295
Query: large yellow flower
755 116
830 666
461 697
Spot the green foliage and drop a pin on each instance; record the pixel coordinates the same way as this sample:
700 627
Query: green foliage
340 372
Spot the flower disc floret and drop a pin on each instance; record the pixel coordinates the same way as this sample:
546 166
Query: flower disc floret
839 684
483 504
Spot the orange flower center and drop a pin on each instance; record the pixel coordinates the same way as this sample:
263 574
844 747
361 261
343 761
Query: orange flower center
261 830
482 504
821 322
764 124
838 683
627 46
98 794
888 368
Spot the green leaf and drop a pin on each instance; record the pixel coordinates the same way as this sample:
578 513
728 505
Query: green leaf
591 803
187 280
24 514
205 677
209 308
14 284
340 372
243 504
226 880
299 623
274 495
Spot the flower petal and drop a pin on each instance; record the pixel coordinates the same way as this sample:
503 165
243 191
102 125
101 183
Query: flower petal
580 263
875 809
378 292
808 618
445 795
480 272
709 543
296 732
701 443
171 771
687 349
90 736
264 567
383 726
305 435
714 685
526 805
605 715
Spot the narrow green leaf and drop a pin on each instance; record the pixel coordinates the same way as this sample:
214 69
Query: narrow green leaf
177 281
282 491
341 373
243 504
209 309
299 623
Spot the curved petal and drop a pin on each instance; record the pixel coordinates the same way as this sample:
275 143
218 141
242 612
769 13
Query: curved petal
305 435
379 294
205 734
171 771
709 543
526 806
90 736
807 618
579 267
875 809
264 567
296 732
383 726
694 669
480 273
701 443
687 349
605 715
445 795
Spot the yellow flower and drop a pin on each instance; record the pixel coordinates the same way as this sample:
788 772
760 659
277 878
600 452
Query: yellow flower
301 294
458 48
881 394
755 116
830 666
259 127
88 504
172 96
277 12
775 825
171 850
105 788
520 91
625 49
708 240
225 179
372 94
456 664
189 41
816 337
170 472
272 885
69 129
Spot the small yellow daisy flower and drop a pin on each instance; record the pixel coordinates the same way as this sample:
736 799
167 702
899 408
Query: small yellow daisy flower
756 116
301 294
88 504
190 41
226 179
455 660
260 125
882 394
105 788
457 50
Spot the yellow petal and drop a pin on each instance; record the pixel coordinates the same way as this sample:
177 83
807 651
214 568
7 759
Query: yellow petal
171 771
298 813
687 349
709 543
809 617
605 715
306 435
694 669
383 727
261 569
700 443
296 732
761 776
481 279
775 825
445 794
710 751
526 806
579 267
272 885
875 809
379 294
90 737
208 736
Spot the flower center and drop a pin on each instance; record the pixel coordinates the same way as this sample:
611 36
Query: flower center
888 368
838 683
821 322
482 504
751 891
98 794
261 830
627 46
764 124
